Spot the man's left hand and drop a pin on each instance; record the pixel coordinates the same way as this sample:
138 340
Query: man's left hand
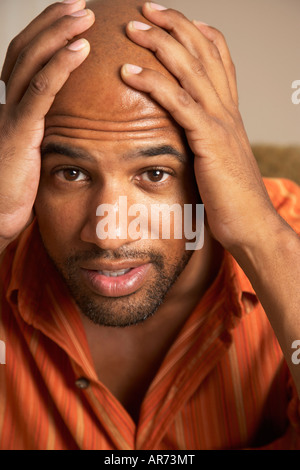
204 101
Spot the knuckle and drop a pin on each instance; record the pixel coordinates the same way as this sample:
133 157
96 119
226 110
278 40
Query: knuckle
174 20
213 52
56 27
14 45
183 98
53 8
22 57
60 22
63 24
162 42
55 11
175 15
163 36
39 84
198 68
218 35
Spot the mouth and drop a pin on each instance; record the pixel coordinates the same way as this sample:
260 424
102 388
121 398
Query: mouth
116 282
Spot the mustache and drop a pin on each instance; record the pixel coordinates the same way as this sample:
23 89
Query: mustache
123 253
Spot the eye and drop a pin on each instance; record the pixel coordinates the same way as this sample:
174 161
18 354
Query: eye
71 175
155 176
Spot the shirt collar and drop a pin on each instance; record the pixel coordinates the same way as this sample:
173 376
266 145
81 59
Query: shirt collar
43 300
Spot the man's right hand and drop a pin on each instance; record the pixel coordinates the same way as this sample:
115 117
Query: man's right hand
37 64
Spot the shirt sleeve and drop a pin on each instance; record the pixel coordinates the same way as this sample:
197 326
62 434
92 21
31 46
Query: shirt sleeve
285 195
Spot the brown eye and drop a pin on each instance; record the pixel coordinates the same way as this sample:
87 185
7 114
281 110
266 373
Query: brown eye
71 174
155 176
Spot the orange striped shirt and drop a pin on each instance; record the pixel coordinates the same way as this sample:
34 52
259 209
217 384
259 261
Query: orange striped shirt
223 384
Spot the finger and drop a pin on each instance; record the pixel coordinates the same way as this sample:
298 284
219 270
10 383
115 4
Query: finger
197 43
186 68
40 50
39 24
217 38
186 112
46 83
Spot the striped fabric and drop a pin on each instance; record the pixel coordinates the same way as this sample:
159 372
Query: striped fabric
223 384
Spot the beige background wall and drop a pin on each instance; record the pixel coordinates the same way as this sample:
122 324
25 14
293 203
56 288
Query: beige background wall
264 38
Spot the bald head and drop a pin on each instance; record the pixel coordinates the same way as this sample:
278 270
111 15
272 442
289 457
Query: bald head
97 83
110 46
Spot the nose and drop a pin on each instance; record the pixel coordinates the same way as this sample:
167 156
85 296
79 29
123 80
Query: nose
108 223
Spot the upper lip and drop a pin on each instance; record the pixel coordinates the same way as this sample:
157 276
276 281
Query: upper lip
116 266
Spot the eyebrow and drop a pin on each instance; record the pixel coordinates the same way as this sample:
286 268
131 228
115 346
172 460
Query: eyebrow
66 150
77 153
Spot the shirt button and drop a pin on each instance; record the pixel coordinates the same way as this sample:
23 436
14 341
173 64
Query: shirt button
82 383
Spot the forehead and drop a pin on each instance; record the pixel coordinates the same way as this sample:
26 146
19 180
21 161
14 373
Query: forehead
103 102
100 107
135 122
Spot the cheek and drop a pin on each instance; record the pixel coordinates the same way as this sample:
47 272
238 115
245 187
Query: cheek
175 250
59 220
171 232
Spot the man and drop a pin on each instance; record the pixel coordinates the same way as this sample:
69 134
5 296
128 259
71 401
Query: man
132 342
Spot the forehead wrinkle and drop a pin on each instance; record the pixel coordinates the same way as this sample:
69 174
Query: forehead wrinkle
101 129
77 122
72 134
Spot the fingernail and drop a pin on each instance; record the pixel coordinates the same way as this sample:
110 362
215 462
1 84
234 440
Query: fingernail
132 69
69 1
156 6
139 25
77 45
80 13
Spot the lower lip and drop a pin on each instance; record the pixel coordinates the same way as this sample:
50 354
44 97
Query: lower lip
117 286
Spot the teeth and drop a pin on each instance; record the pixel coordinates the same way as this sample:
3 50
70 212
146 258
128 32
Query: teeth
121 272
